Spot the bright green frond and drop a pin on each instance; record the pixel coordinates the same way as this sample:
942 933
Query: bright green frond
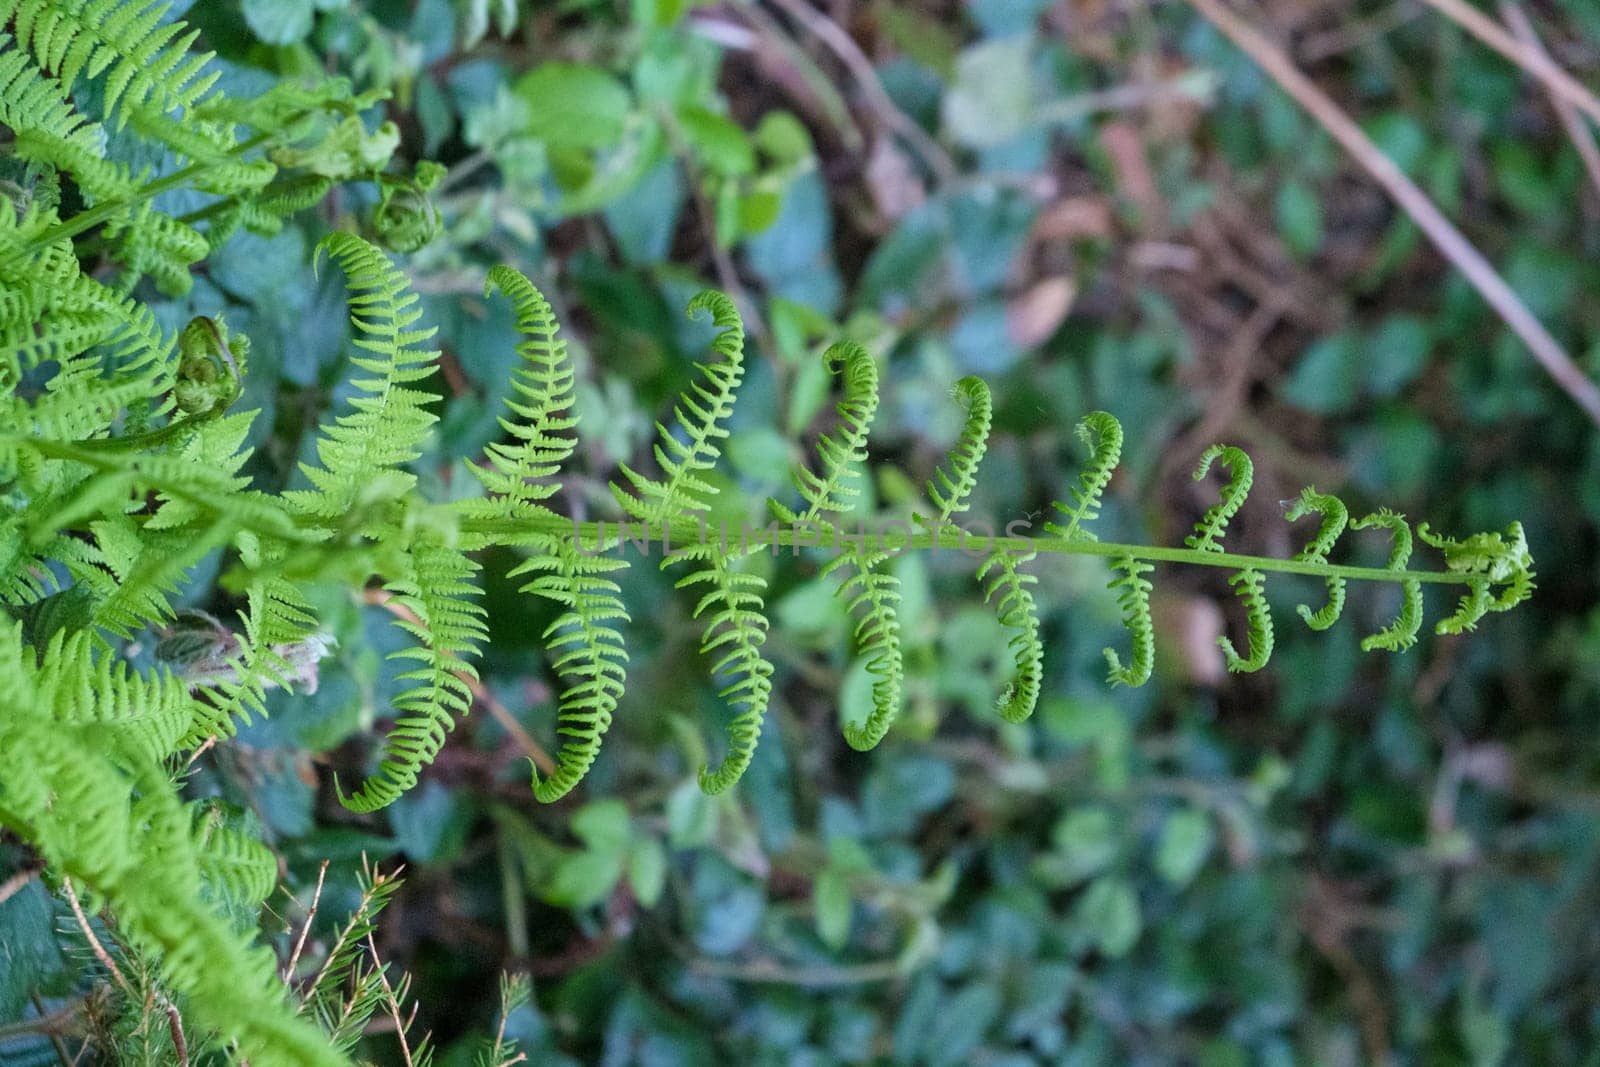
1101 433
954 480
830 491
702 413
363 451
588 650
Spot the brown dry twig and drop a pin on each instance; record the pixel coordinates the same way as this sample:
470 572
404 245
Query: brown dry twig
19 881
840 43
1533 60
1412 200
1579 132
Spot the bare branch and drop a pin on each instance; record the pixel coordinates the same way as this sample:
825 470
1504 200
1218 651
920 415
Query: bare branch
1578 131
1532 60
1412 200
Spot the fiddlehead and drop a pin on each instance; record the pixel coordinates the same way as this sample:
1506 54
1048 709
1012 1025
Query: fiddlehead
1133 597
1101 433
1241 474
1400 634
1334 519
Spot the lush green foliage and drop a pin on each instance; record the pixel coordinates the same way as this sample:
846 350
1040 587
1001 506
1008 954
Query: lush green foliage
245 526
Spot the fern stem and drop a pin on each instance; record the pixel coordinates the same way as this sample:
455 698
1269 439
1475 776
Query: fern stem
604 536
88 220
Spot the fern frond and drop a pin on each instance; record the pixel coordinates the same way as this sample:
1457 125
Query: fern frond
148 68
1501 559
1133 597
1101 433
1009 590
735 629
589 651
874 595
362 452
441 612
1241 474
1250 585
1335 516
519 473
232 863
1400 634
108 817
100 695
954 480
701 414
841 454
1474 604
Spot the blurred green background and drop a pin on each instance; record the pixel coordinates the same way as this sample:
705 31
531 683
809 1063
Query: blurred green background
1345 859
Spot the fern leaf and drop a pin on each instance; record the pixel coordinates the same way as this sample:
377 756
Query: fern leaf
1101 433
1133 597
362 452
1250 585
1241 473
441 612
1334 519
589 650
840 455
1010 591
1400 634
735 629
519 473
108 817
874 596
701 414
954 480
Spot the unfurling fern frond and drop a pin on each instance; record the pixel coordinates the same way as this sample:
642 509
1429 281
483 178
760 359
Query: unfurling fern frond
954 480
1013 599
1133 597
1501 559
1250 585
1241 474
1335 516
840 455
1400 634
1101 433
701 412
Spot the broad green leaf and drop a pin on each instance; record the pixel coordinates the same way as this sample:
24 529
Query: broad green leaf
1183 846
1108 913
831 901
574 105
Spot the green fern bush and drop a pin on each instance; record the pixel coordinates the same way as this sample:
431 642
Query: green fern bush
120 461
